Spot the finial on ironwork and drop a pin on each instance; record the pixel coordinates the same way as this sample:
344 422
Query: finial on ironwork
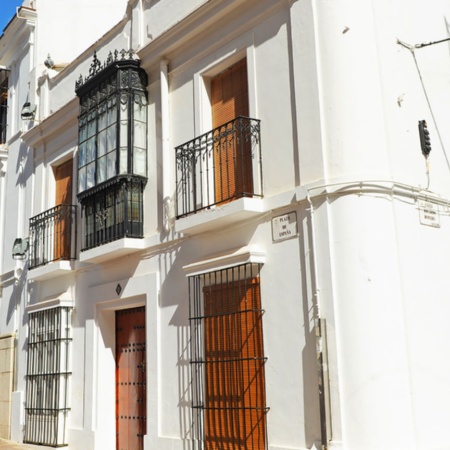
96 65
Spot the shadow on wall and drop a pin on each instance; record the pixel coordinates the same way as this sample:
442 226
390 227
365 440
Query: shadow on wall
172 295
24 165
311 401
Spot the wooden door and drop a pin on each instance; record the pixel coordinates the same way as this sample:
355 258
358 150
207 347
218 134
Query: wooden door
63 218
130 379
235 414
232 151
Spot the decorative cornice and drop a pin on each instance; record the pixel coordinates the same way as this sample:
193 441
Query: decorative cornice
97 66
114 181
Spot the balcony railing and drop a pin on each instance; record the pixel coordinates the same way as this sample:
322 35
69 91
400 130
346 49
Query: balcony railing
113 210
53 235
219 166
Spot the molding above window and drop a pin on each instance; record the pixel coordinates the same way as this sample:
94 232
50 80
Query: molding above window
221 261
63 299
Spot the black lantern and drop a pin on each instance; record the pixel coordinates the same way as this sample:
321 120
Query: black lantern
28 111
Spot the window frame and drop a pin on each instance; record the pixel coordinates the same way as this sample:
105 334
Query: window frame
119 90
47 377
246 403
112 97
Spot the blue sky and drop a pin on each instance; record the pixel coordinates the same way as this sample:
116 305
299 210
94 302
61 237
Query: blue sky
7 10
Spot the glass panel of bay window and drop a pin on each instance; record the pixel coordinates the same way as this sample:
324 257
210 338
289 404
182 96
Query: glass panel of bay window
123 133
112 112
139 107
82 155
90 149
139 134
111 170
91 127
134 197
101 169
90 179
139 161
82 179
82 133
102 143
123 160
102 118
111 138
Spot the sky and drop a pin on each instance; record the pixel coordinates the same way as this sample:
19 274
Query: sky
7 10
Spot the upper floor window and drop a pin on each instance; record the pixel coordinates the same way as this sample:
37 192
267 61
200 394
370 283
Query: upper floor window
3 104
112 121
112 155
223 164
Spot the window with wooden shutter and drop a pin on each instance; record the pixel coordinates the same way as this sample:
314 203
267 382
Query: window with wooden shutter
63 223
232 149
227 356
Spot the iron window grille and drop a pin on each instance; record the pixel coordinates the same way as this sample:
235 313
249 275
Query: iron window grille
219 166
4 75
227 360
53 235
46 403
112 152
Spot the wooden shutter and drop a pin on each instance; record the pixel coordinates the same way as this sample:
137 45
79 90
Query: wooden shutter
63 179
62 229
235 411
232 151
130 379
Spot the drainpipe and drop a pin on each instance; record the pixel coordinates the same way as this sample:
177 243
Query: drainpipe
321 340
167 160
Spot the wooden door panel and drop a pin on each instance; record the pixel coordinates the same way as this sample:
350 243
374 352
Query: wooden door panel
130 379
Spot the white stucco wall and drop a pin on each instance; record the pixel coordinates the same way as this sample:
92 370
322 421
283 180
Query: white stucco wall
339 100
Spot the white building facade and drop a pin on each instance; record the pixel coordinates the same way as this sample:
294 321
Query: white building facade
220 228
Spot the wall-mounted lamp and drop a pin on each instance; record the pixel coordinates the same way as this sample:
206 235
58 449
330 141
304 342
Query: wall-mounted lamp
20 248
28 111
49 62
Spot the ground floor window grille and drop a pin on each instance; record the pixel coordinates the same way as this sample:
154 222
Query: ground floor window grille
227 360
46 404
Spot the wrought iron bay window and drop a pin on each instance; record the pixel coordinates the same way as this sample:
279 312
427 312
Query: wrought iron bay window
113 211
112 155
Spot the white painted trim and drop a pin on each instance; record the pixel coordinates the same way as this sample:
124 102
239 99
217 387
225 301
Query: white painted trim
224 261
59 300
